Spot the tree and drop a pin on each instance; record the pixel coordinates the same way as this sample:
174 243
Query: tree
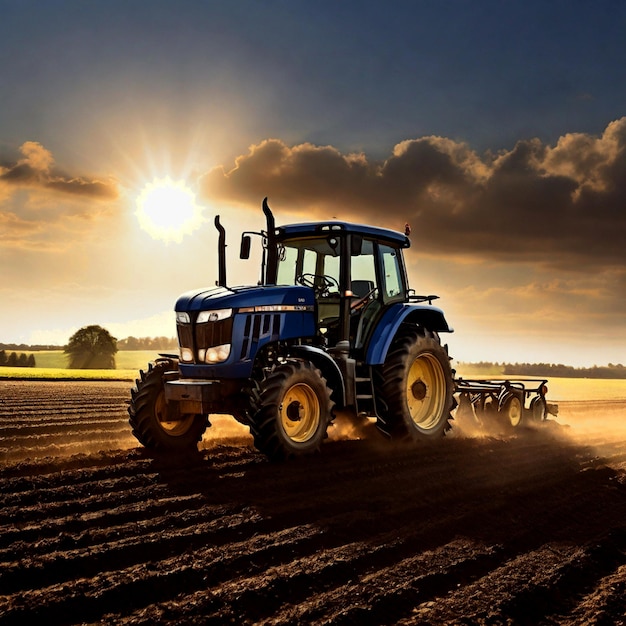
91 347
3 357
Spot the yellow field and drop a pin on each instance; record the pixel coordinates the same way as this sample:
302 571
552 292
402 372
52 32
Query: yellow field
125 359
577 389
56 373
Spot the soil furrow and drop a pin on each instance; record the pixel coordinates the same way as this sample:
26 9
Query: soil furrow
535 587
604 604
66 436
123 590
98 502
46 569
25 428
520 527
135 519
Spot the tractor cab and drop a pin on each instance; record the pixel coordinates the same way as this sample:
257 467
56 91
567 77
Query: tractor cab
356 272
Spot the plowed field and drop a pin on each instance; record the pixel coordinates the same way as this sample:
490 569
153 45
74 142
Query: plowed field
528 528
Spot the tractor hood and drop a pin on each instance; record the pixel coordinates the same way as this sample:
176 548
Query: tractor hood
245 298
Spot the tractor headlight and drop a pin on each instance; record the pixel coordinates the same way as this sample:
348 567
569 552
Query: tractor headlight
186 355
216 354
182 317
214 316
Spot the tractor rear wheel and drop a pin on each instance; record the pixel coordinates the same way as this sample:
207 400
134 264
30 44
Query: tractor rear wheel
153 422
293 411
416 387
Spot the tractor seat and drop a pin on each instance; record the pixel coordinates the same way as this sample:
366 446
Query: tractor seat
360 288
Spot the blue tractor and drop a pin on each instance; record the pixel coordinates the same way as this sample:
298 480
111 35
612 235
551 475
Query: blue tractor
332 324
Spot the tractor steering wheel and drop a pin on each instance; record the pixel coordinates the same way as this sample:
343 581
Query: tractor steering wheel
320 283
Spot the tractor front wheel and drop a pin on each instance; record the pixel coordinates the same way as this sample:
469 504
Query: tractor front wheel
293 411
154 423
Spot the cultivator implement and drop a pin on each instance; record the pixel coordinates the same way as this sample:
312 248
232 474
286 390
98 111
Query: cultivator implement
508 402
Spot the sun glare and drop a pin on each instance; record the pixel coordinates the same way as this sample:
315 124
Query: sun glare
167 210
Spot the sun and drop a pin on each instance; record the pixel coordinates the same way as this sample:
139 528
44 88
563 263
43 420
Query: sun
167 210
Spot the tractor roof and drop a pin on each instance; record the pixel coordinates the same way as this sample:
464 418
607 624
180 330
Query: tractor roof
312 229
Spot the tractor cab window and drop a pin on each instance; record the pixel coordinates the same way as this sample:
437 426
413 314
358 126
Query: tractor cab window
314 262
294 261
393 274
363 271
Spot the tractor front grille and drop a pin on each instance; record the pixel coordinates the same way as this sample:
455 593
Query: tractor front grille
212 334
202 336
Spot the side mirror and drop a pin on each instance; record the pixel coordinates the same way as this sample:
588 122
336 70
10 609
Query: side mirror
244 251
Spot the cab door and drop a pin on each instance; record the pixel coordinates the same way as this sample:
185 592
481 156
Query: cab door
378 281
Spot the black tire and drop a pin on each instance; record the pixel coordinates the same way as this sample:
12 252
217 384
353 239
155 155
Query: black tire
538 409
415 387
512 410
487 414
293 411
148 413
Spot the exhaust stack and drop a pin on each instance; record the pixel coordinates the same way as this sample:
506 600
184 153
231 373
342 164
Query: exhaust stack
272 252
221 253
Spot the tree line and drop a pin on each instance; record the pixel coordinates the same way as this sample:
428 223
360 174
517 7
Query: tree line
147 343
611 371
566 371
31 347
129 343
14 359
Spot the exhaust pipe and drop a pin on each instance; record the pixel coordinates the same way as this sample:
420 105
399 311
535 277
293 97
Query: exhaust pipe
221 253
272 251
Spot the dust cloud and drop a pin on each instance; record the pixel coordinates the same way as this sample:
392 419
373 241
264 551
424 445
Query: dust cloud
225 430
583 421
347 427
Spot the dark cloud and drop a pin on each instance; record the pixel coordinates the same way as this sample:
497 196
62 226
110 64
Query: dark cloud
82 187
34 171
563 204
19 173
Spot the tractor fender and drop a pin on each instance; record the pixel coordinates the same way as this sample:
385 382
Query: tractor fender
327 365
397 314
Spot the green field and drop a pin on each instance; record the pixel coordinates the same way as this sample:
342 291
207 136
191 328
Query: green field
52 364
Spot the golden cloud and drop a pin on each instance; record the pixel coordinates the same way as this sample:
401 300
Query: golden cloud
34 171
36 156
48 210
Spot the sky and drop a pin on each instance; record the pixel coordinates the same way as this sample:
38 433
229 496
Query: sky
496 129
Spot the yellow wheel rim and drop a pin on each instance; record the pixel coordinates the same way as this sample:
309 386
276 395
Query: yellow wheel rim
426 391
514 411
300 413
172 428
